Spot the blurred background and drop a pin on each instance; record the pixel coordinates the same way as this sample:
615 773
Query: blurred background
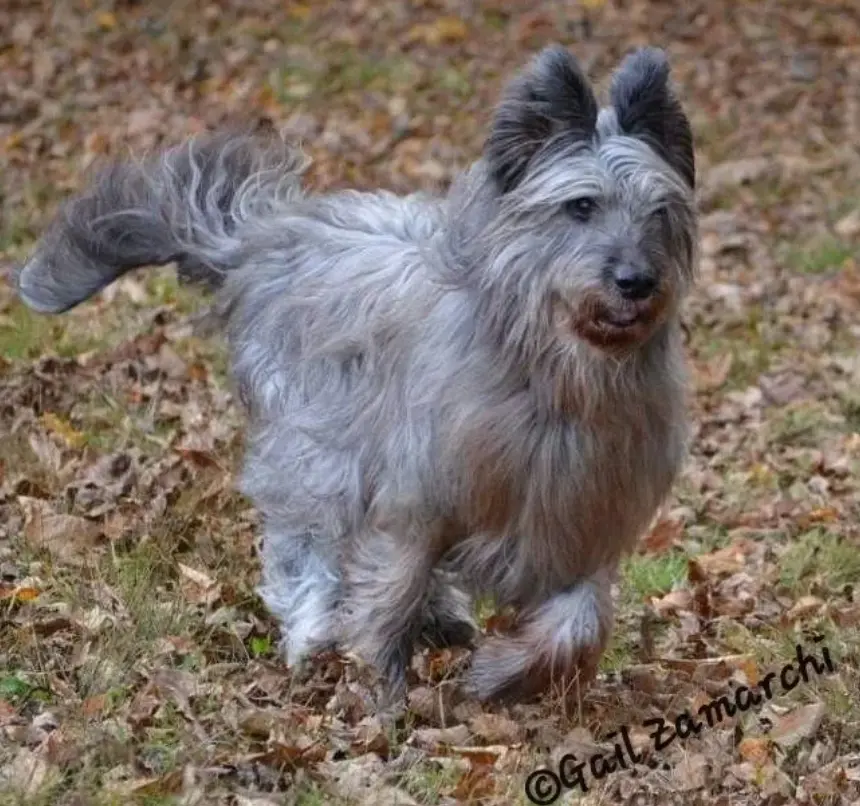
137 665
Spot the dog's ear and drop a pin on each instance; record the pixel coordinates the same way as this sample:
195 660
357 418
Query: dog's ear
551 97
646 107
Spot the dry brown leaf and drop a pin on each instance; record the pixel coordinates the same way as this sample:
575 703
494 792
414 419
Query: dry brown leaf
21 593
257 723
711 375
476 784
440 31
801 723
143 708
691 772
68 538
197 587
26 774
425 703
371 737
106 20
8 713
495 729
846 616
662 537
672 602
728 560
488 755
434 738
755 750
804 607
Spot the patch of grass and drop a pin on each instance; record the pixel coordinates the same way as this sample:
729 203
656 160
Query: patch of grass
260 646
828 254
45 796
139 579
849 403
26 335
345 71
819 559
646 575
427 782
621 652
800 424
13 688
454 81
752 345
309 794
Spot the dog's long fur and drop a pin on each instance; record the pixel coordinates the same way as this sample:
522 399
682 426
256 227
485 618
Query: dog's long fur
438 396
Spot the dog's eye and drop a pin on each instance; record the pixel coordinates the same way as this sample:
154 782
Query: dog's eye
661 214
581 209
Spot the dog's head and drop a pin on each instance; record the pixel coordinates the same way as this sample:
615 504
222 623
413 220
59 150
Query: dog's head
593 230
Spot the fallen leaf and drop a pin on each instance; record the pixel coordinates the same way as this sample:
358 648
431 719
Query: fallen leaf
711 375
662 537
434 738
755 750
18 592
371 737
106 20
848 226
805 606
26 774
57 425
801 723
730 174
442 30
480 755
672 602
691 772
725 561
67 538
475 784
495 729
198 587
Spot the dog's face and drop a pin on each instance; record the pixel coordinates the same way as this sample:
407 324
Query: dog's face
595 230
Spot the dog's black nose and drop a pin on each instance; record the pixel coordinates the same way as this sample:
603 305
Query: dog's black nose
633 283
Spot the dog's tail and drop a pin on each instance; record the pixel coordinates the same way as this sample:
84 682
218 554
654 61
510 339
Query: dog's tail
186 205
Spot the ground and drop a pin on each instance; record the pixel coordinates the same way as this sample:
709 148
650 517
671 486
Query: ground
137 664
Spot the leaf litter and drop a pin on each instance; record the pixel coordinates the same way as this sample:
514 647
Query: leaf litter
136 663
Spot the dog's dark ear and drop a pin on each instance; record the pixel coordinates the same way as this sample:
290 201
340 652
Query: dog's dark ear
550 97
646 107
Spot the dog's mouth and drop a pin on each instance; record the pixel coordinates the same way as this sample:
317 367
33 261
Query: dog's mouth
620 320
612 326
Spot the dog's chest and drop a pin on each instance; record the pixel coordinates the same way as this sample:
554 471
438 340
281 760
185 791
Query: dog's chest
591 484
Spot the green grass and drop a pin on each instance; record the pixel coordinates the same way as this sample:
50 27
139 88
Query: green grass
25 335
309 794
819 560
428 781
139 579
827 255
646 575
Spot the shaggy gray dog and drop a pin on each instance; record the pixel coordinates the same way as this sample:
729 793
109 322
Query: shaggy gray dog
480 393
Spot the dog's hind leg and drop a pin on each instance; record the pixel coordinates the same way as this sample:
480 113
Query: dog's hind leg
301 588
387 583
558 643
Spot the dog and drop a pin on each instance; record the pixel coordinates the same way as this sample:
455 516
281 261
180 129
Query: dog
446 396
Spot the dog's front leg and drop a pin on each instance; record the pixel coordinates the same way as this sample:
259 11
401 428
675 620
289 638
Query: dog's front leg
388 580
558 643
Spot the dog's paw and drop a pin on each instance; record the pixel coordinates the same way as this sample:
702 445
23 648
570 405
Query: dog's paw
557 647
448 621
508 669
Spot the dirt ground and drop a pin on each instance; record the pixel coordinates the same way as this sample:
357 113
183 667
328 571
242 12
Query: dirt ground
137 665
